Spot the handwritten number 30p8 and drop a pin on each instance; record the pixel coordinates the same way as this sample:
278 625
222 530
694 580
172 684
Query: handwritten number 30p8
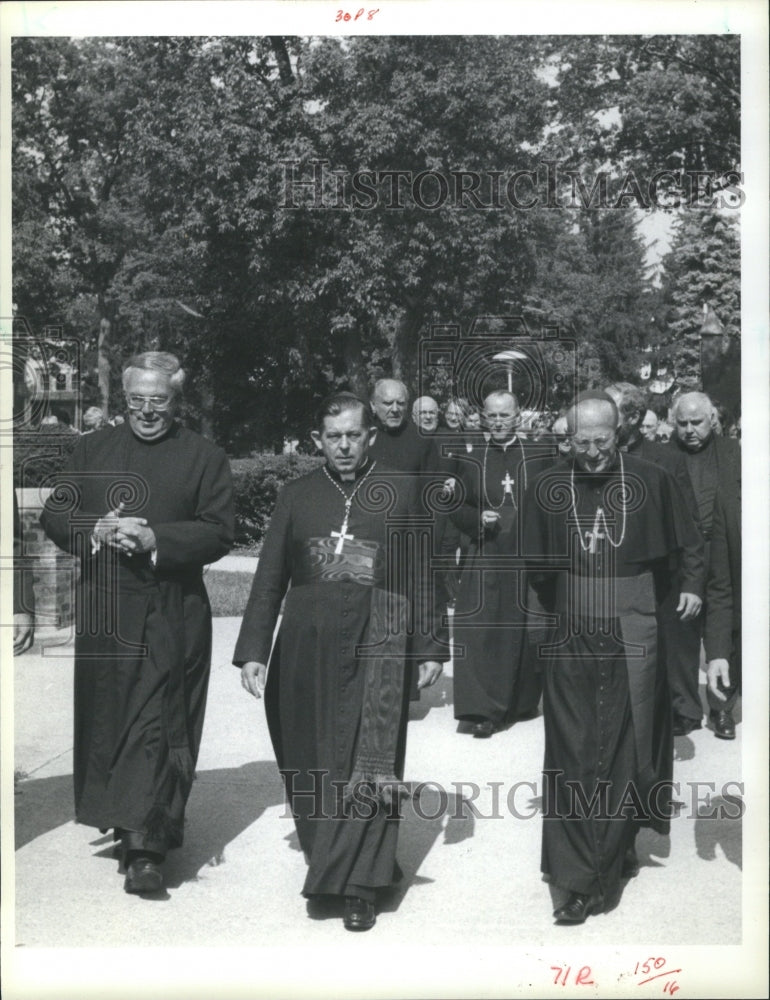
344 15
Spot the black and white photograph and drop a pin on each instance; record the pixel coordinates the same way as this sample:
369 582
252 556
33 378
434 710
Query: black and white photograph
377 383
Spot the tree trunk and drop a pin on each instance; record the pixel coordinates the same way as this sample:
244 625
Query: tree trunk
103 361
406 349
354 364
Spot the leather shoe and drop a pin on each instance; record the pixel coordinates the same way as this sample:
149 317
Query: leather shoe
724 726
579 906
484 729
683 725
359 914
143 875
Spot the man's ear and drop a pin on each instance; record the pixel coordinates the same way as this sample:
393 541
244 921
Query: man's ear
315 435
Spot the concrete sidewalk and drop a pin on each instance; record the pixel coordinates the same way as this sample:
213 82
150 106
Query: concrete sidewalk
471 869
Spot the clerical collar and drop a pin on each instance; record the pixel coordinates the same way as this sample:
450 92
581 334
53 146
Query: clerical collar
361 471
502 447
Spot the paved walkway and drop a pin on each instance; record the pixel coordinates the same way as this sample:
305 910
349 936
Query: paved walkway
472 892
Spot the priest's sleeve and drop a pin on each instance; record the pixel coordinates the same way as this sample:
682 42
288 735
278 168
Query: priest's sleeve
268 588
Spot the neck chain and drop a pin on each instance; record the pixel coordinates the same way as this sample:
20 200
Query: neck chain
342 536
600 529
507 483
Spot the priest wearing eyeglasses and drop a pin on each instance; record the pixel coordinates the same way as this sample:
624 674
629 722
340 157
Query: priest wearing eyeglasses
602 528
144 505
344 539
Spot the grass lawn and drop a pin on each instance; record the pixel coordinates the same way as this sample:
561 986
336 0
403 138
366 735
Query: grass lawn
228 592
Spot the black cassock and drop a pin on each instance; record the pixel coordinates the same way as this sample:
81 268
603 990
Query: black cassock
495 670
143 633
606 701
337 695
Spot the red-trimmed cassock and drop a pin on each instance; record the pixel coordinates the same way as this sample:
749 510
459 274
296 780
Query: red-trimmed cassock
358 607
599 545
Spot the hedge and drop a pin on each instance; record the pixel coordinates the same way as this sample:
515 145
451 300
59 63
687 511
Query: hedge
256 480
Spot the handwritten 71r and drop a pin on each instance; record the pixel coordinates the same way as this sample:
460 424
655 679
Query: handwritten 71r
653 969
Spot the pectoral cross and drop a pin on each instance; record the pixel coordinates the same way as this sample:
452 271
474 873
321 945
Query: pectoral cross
508 484
597 534
342 535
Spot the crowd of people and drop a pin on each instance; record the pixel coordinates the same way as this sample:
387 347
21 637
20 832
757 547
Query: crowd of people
583 562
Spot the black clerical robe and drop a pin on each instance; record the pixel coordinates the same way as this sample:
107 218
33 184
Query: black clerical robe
143 633
495 673
599 547
337 694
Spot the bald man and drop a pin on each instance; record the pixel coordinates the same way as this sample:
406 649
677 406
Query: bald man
425 414
399 444
600 529
712 462
678 637
496 681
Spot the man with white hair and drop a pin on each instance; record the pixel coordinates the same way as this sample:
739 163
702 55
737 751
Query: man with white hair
425 414
398 443
145 506
93 420
713 462
600 529
495 680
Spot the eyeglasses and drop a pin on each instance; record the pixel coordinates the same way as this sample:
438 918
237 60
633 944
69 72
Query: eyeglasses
602 443
157 403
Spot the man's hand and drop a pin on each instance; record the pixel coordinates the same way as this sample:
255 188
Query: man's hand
430 671
489 519
253 677
134 536
106 528
23 632
716 671
689 606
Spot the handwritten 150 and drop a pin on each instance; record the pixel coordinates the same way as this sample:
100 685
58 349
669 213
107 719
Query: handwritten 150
652 969
344 15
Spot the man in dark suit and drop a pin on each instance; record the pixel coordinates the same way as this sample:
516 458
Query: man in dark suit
722 629
679 639
712 461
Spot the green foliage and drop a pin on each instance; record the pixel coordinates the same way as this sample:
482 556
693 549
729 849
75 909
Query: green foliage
256 483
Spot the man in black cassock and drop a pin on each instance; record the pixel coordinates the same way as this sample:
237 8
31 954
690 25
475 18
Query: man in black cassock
600 530
679 640
495 675
713 464
398 443
337 695
145 506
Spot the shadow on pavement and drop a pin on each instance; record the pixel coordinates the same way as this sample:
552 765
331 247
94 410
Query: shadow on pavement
719 823
223 803
436 696
40 805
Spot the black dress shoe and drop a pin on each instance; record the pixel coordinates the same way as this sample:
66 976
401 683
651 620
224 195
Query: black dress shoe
484 729
143 875
724 725
683 725
579 906
359 914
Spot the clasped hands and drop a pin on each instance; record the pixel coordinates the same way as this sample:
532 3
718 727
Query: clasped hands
131 535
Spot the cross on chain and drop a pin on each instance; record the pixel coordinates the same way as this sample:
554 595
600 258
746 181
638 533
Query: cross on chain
597 534
508 484
342 535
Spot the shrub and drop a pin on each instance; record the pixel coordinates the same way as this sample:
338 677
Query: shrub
256 482
38 455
